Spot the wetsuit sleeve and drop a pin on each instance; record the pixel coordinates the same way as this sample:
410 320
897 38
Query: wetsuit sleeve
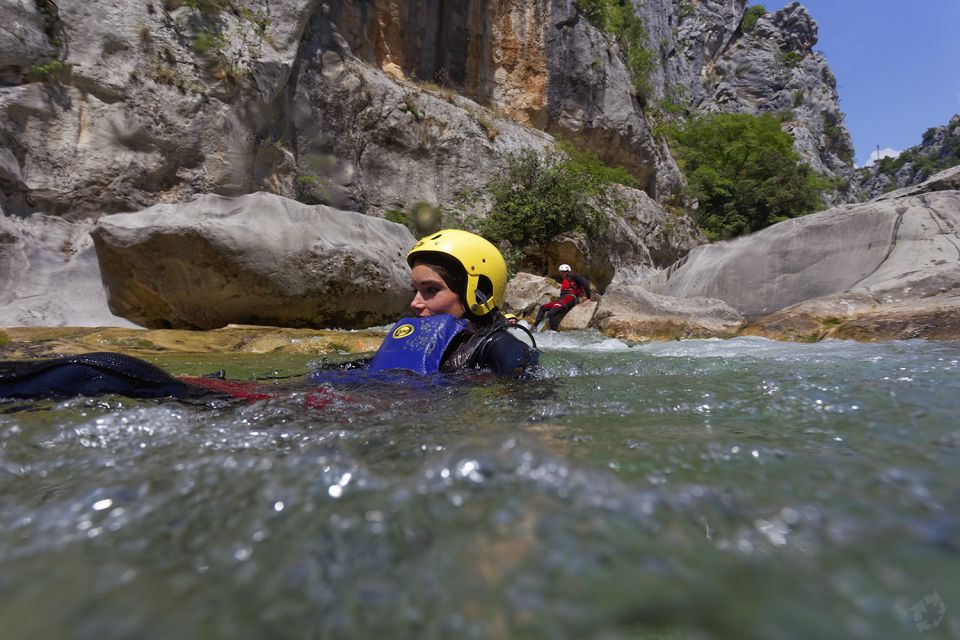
583 282
504 353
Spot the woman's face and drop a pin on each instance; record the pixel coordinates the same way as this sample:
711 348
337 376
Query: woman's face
433 296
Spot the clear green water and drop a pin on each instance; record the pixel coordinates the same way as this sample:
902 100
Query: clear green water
698 489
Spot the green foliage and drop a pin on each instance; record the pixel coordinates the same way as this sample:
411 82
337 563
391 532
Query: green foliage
399 217
584 162
676 100
488 128
209 42
49 70
423 219
744 172
750 18
4 338
209 8
924 161
685 10
790 58
311 189
620 21
538 199
836 140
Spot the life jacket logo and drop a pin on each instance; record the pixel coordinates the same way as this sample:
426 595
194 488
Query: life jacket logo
402 331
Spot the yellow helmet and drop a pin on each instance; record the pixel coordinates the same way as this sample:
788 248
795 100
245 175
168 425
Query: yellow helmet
485 267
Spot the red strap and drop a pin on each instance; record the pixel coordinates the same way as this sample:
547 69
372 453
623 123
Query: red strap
253 391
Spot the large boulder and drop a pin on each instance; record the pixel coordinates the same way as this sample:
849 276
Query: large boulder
581 316
630 312
254 259
803 278
526 292
49 275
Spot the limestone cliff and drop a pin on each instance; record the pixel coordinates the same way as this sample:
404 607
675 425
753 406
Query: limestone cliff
371 105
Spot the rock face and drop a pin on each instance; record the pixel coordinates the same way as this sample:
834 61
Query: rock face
899 257
939 150
526 292
772 68
49 275
639 236
371 106
255 259
543 64
367 142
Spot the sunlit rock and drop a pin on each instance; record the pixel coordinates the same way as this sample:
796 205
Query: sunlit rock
630 312
805 278
255 259
526 292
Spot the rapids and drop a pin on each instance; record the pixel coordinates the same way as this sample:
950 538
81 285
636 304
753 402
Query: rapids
705 488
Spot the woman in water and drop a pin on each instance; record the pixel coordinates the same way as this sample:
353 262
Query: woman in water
458 279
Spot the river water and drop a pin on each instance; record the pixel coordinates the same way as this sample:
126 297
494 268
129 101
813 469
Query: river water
695 489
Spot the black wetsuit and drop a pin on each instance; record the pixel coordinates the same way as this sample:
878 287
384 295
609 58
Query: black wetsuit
89 374
498 351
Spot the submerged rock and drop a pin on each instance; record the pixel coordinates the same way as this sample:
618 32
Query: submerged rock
255 259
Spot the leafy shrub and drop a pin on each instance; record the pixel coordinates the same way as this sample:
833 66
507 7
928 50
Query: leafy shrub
538 199
49 70
751 17
585 163
393 215
836 140
790 58
208 42
620 21
744 172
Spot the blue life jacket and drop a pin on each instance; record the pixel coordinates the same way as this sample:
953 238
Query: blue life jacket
417 344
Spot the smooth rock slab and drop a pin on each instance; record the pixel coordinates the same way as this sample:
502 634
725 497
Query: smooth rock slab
632 313
255 259
883 251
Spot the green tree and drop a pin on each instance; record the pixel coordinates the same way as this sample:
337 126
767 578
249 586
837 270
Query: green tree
538 199
744 172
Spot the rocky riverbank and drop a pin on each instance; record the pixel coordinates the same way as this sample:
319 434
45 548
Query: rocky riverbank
39 342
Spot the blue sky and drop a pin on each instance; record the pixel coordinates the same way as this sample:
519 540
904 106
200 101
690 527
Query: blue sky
897 65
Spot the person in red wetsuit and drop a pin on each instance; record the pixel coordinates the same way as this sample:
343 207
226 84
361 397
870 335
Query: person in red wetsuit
573 289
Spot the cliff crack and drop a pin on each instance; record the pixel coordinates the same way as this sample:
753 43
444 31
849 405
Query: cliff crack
890 248
944 225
